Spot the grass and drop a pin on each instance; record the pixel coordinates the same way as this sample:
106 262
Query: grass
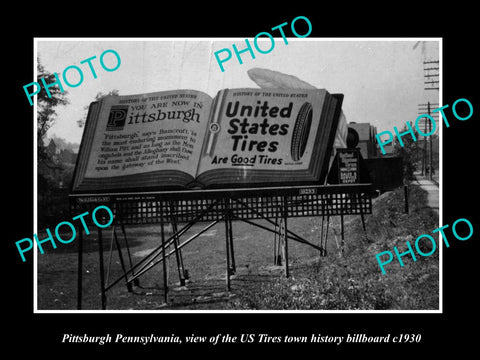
349 281
354 281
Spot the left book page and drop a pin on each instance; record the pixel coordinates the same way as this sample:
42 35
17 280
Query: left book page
142 141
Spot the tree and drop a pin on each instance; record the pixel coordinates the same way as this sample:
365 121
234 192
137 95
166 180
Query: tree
48 170
98 97
410 152
46 108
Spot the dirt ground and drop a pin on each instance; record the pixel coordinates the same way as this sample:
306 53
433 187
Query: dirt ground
204 258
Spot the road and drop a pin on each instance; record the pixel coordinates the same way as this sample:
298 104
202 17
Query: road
433 197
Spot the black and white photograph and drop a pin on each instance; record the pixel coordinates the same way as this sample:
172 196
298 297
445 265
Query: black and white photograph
262 187
282 186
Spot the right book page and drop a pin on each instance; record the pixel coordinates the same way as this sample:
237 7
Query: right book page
264 137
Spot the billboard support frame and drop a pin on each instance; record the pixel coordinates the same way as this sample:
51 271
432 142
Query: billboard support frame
215 205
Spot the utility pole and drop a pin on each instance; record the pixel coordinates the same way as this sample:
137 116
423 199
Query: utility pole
427 145
431 144
431 74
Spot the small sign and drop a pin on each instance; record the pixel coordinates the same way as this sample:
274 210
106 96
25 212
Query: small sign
93 199
348 166
307 191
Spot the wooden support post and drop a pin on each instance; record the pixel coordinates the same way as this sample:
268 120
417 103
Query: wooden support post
164 262
285 235
360 204
227 244
136 281
122 263
277 250
102 275
342 245
363 225
110 252
80 268
326 235
275 244
230 233
178 253
321 237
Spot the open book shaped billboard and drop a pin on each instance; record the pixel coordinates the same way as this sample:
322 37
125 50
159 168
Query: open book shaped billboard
184 139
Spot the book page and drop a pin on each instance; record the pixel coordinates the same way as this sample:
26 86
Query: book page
263 129
149 132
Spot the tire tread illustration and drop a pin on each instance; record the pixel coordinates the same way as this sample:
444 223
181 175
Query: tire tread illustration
301 131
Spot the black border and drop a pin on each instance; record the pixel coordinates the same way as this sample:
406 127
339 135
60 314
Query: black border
454 329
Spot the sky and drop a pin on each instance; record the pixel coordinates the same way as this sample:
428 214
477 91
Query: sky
382 79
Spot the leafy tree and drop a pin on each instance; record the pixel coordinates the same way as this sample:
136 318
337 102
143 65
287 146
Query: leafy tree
98 97
410 152
46 108
48 169
45 105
